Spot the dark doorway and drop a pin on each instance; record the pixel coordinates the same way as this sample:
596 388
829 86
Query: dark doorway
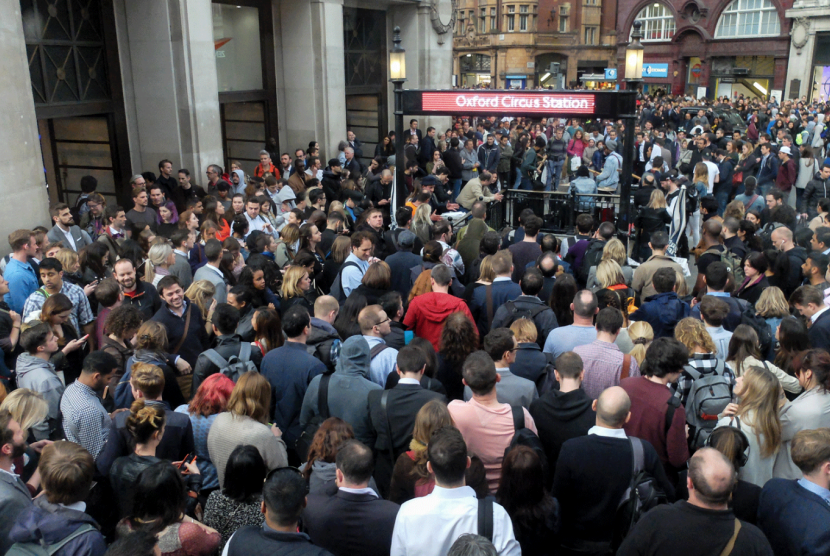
366 97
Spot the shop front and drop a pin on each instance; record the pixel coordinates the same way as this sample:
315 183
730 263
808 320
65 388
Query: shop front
475 70
750 76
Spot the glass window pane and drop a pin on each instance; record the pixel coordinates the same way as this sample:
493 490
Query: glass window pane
238 57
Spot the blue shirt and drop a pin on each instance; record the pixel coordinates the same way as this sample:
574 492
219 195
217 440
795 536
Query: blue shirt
384 362
566 338
815 489
22 283
351 277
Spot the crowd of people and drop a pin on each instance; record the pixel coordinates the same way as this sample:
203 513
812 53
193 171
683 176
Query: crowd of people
285 363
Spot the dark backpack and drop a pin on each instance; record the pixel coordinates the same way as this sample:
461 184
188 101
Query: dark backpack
642 494
43 549
732 262
236 366
593 255
515 313
336 290
757 323
526 437
302 444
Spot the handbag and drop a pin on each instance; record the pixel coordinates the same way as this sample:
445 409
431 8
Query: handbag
576 162
737 179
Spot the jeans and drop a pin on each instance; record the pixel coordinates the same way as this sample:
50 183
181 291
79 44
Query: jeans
554 174
456 189
722 197
526 184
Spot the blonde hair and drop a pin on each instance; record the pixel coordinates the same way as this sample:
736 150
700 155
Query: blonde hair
337 206
692 333
147 379
68 258
609 273
145 420
201 293
251 397
681 288
642 334
432 416
291 282
701 173
772 304
525 331
151 335
657 200
486 272
614 250
157 256
760 396
27 407
735 209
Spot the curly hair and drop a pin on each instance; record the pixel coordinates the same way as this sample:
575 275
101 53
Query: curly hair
123 319
692 333
459 338
333 432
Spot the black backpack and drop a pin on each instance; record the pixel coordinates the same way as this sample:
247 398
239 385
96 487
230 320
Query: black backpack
336 290
302 444
593 255
757 323
515 313
526 437
642 493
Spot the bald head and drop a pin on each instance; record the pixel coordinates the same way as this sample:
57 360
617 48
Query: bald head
712 478
781 235
712 229
613 408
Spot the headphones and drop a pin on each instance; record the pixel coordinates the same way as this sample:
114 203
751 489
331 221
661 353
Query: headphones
743 455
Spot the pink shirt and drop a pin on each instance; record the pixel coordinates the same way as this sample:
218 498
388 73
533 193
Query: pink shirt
487 432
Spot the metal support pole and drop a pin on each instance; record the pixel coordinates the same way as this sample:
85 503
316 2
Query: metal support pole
624 218
400 156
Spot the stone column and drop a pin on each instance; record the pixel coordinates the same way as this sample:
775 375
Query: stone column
23 199
169 73
311 84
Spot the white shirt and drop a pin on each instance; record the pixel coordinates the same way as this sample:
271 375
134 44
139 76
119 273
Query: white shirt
608 433
428 526
713 173
818 314
408 381
366 490
182 253
69 239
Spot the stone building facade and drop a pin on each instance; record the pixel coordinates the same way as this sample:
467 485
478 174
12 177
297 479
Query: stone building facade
808 73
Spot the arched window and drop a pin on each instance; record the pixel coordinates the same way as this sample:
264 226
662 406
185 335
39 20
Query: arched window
748 18
658 23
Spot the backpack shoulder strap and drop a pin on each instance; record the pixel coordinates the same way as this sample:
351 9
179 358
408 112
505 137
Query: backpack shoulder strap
695 374
323 396
511 307
376 349
626 367
384 401
518 413
638 456
214 357
488 295
54 548
673 403
727 550
245 352
537 309
485 517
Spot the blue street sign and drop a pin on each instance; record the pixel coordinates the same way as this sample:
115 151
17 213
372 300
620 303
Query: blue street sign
610 73
655 70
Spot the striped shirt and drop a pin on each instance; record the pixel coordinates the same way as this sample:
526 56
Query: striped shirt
603 362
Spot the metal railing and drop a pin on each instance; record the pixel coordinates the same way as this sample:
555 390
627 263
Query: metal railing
558 209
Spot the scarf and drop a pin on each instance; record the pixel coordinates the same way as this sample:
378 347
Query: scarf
678 222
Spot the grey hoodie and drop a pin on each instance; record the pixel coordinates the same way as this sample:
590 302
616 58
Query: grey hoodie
349 389
322 480
36 374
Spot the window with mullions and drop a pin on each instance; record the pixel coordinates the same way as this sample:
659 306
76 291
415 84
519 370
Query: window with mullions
658 23
748 18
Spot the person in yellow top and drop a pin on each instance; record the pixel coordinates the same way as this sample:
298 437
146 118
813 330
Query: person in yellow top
475 191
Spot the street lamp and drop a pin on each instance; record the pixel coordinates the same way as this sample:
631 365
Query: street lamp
633 76
397 74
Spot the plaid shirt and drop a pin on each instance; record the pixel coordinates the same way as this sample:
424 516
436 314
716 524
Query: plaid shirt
85 421
603 362
81 312
703 363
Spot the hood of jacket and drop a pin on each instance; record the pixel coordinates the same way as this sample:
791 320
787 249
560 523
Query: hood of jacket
323 471
354 357
148 356
321 331
48 522
29 363
286 194
438 306
567 406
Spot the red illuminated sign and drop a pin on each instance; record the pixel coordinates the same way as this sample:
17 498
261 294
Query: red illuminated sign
504 102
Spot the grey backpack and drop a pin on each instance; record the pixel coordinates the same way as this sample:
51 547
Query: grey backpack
708 397
236 366
43 549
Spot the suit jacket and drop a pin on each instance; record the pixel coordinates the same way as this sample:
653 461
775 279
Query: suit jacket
351 523
795 520
819 332
14 498
81 238
214 277
405 400
181 270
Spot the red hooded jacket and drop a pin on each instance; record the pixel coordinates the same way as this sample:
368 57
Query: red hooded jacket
428 311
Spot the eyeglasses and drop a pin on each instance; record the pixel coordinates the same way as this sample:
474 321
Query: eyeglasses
383 321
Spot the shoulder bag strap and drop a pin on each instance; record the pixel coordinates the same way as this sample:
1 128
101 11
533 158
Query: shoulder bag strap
186 328
485 517
323 396
384 401
488 294
518 417
626 368
727 550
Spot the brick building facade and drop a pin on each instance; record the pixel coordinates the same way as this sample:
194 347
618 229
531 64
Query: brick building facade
512 43
726 47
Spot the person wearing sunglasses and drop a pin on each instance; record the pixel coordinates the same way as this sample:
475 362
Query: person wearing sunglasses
283 501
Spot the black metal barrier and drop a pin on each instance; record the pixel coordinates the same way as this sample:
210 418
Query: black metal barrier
558 209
